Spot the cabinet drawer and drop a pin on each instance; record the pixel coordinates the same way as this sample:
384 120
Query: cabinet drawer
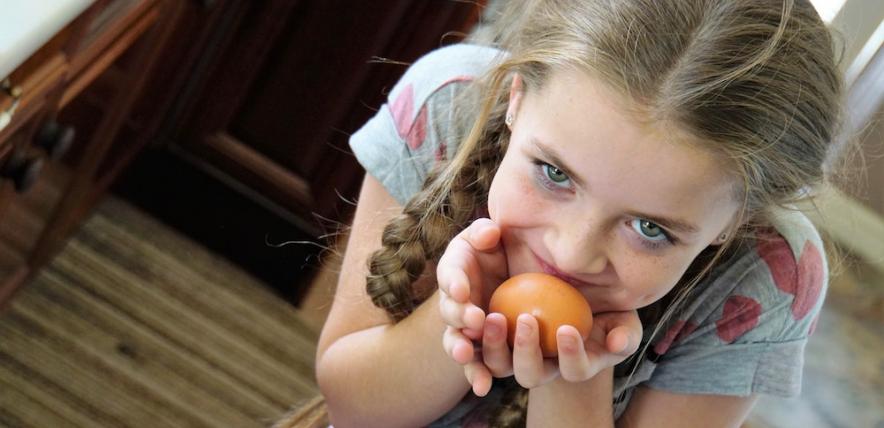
28 89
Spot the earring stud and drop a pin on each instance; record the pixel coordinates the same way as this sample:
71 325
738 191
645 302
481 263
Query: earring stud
509 119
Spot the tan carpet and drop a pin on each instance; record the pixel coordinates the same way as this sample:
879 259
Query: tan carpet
134 326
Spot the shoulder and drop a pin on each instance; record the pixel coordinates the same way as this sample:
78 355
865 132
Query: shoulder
769 291
784 281
420 123
423 83
791 261
443 66
744 327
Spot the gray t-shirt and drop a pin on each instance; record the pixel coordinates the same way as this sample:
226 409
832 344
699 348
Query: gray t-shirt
744 328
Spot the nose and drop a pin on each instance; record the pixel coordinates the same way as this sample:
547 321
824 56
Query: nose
579 247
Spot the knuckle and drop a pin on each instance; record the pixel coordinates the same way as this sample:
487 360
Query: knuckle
495 365
451 314
526 383
574 375
445 312
500 371
447 344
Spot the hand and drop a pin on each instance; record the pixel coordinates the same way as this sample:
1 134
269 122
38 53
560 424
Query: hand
473 265
614 337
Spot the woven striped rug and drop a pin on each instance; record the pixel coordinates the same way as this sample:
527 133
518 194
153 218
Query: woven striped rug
132 325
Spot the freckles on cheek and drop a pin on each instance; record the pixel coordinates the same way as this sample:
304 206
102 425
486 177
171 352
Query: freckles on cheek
513 200
649 281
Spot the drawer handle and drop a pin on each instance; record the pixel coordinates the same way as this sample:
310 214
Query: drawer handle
22 169
14 92
55 138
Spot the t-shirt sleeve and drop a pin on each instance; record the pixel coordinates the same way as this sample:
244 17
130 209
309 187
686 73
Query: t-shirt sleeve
414 129
747 332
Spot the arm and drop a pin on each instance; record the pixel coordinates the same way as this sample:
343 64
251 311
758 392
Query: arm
573 404
654 408
588 404
370 370
581 394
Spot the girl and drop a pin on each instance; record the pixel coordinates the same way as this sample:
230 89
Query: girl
646 152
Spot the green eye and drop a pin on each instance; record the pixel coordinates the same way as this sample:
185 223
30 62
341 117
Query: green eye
555 174
649 230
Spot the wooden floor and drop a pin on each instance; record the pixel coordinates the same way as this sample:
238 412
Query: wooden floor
134 326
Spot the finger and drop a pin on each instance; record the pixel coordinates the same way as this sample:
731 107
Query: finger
458 270
459 315
451 311
626 328
529 367
624 333
574 365
457 346
479 377
483 234
474 319
452 278
495 349
622 341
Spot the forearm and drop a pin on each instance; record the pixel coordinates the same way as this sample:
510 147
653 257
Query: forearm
391 376
573 404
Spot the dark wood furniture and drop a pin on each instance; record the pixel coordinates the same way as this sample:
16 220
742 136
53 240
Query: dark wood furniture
262 98
97 60
255 98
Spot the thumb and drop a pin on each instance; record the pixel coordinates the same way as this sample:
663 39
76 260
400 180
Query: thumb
623 331
622 341
484 234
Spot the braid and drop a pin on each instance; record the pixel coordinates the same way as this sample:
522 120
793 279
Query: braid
395 266
444 206
408 241
513 412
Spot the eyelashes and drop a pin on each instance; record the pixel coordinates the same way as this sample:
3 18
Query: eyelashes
661 240
551 177
554 179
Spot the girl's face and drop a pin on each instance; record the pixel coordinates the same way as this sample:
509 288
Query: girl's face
588 193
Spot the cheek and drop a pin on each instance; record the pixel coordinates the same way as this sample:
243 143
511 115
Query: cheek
513 200
647 280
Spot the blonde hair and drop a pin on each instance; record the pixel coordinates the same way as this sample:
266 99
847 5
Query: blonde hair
754 81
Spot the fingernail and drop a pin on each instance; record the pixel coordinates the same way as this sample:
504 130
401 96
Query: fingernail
524 331
476 317
474 233
492 331
567 343
524 322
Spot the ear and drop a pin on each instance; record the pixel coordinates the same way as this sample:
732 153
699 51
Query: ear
724 235
516 92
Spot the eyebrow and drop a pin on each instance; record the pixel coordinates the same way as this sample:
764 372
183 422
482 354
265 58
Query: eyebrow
550 153
673 224
680 226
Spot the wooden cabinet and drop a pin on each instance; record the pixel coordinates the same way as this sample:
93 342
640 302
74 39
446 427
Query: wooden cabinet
99 60
293 78
262 95
266 94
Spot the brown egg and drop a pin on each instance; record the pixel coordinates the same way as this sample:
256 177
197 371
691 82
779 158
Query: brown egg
551 300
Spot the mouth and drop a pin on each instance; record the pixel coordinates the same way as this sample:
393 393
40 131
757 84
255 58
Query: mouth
551 270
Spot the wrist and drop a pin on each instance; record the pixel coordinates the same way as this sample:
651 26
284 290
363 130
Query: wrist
561 403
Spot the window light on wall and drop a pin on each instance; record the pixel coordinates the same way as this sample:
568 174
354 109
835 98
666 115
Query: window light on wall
827 9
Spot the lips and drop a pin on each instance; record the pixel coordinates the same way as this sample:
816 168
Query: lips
549 269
